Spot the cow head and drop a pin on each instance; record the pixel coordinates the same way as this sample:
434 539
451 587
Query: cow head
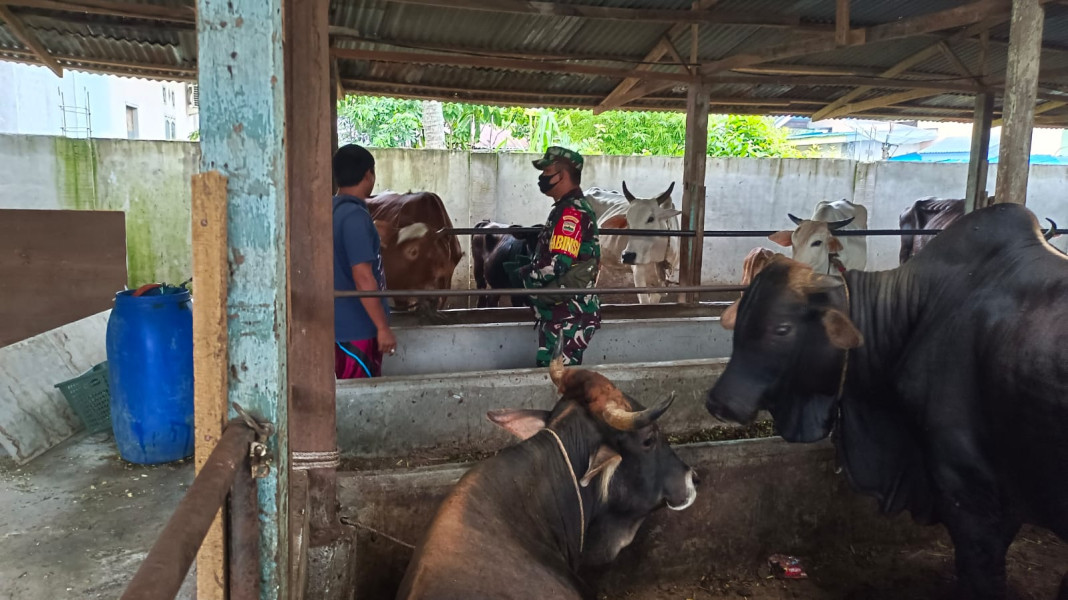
647 213
812 242
415 257
632 470
790 336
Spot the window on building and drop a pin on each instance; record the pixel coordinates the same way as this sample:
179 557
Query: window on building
164 94
131 123
170 129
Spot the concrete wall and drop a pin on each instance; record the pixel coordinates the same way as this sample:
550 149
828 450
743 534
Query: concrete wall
150 181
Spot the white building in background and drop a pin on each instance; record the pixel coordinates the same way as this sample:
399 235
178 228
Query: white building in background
34 101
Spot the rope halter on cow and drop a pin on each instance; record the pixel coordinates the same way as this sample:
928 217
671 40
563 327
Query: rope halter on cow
578 492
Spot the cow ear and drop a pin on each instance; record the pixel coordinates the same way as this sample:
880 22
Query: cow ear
386 233
412 232
781 238
605 461
616 222
834 245
729 316
663 214
522 423
841 331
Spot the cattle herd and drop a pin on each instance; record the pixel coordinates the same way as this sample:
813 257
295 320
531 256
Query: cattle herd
942 382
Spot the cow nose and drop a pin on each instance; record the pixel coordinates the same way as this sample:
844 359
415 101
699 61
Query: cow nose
629 257
696 476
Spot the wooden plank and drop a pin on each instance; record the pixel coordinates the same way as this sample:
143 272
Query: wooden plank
144 70
555 9
210 375
312 430
1018 106
461 60
693 191
978 160
56 267
28 39
880 102
112 8
242 134
841 23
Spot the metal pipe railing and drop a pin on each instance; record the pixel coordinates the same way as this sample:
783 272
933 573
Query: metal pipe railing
167 564
537 291
722 233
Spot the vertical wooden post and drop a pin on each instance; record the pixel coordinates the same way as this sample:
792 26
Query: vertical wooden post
210 376
242 114
312 430
693 186
1021 88
841 22
978 162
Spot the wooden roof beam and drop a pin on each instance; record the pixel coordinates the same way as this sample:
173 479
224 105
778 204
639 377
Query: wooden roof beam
166 72
880 102
901 66
955 60
841 23
1041 108
655 54
112 8
682 17
28 39
464 60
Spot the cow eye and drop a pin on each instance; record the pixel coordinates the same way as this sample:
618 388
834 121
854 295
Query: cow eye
783 329
817 243
649 441
650 220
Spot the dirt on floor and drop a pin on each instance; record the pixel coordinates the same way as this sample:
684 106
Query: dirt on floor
78 521
1036 562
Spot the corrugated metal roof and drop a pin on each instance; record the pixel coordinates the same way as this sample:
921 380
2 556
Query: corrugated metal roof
144 46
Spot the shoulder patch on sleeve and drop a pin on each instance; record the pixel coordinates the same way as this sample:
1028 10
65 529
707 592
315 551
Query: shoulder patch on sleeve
567 235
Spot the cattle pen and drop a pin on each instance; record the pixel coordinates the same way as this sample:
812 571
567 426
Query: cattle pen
349 475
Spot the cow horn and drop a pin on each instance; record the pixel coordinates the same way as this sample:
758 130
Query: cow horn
557 369
626 192
794 219
619 418
1052 233
833 225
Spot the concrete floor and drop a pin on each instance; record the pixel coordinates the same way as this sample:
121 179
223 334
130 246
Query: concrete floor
77 521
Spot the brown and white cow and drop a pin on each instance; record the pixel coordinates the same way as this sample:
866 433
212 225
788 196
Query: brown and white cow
414 255
813 241
644 260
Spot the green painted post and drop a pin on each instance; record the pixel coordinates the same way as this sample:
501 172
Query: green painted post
242 99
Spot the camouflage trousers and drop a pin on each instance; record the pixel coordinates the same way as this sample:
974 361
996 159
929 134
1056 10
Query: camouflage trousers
573 333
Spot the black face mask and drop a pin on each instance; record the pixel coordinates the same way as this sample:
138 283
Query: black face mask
545 183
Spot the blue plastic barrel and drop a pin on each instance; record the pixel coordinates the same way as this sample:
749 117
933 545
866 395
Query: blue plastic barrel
150 363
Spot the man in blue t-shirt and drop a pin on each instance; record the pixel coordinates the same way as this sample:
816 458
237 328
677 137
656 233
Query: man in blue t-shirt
361 325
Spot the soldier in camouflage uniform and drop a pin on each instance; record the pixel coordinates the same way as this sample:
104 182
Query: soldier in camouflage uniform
568 254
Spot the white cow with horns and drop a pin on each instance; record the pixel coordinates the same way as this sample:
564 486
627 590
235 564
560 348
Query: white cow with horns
813 241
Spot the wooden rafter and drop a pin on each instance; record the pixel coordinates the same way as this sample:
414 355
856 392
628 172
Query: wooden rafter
955 60
900 67
118 67
655 54
1041 108
946 19
28 39
685 17
112 8
503 63
880 102
841 23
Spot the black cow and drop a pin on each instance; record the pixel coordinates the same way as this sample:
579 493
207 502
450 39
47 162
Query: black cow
520 524
491 251
945 380
926 213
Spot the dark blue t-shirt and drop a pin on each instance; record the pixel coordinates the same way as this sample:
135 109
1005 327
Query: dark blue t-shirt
355 241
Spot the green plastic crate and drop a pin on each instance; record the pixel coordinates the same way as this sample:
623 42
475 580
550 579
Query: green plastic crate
90 397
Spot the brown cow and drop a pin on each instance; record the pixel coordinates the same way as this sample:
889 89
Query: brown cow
414 255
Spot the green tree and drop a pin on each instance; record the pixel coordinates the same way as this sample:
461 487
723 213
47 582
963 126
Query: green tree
380 122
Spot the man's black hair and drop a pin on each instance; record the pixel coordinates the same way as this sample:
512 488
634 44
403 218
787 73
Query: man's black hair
351 163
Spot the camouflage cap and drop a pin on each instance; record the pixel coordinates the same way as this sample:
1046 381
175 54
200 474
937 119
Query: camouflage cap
554 153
